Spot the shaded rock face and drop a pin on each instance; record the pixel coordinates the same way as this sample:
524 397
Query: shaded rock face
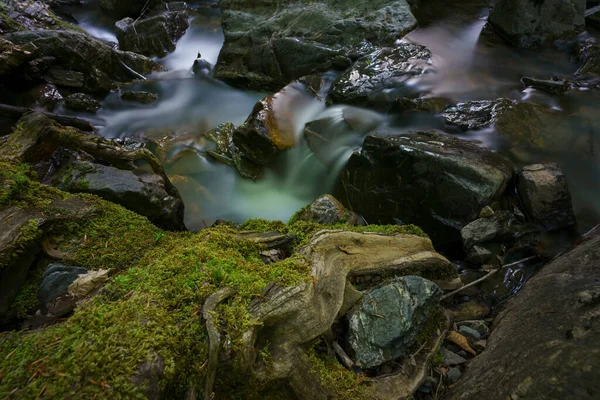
121 9
270 43
544 190
387 320
546 343
529 23
327 210
526 125
141 192
154 36
503 225
53 291
29 15
79 61
378 79
13 57
82 102
435 181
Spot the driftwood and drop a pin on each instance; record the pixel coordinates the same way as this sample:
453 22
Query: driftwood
14 113
342 356
214 338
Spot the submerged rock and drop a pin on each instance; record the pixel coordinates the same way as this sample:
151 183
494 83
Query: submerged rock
528 23
153 36
140 97
544 190
327 210
546 342
82 102
380 78
140 191
435 181
75 59
268 44
388 319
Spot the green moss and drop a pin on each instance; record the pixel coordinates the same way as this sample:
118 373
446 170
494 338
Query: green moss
343 384
299 215
19 187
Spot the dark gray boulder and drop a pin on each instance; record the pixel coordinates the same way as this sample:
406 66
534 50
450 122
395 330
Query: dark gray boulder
153 36
546 342
270 43
56 281
432 180
140 191
544 190
82 61
82 102
529 23
379 79
388 319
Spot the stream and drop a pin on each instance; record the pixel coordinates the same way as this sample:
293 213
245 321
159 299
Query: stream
467 65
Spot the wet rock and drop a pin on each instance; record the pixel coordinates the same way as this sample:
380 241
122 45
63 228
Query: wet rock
380 78
528 23
82 102
486 212
547 85
453 375
388 319
56 281
592 16
267 44
556 337
75 59
451 358
544 190
139 97
389 179
266 132
469 333
154 36
478 325
29 15
46 96
528 125
140 191
470 310
479 255
13 57
327 210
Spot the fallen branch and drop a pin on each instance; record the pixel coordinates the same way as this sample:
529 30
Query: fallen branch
14 113
214 338
343 357
492 272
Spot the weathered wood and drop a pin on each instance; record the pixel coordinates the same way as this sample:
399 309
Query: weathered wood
14 113
214 338
342 356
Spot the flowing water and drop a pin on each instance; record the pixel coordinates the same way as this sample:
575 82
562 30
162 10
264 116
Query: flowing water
468 64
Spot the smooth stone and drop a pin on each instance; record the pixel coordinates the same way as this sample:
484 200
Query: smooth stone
451 358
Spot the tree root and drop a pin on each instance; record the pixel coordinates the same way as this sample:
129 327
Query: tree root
214 338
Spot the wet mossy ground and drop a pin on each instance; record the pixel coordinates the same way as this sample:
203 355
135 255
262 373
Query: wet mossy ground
151 308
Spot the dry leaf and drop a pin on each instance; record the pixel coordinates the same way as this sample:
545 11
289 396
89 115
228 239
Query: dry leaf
461 341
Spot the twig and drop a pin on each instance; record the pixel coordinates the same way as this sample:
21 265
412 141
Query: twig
343 357
492 272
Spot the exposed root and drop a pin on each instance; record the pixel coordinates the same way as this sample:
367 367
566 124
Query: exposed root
214 338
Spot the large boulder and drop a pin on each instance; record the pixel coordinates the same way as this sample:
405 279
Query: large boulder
544 190
529 23
154 36
79 61
388 319
140 191
546 342
270 43
380 78
435 181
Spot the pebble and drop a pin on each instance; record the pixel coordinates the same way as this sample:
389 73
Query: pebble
453 375
451 358
469 332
